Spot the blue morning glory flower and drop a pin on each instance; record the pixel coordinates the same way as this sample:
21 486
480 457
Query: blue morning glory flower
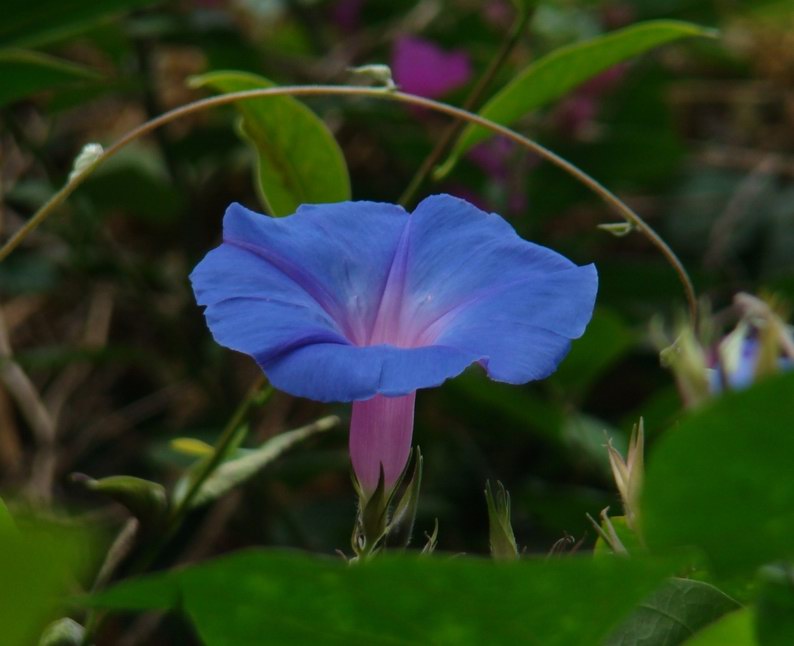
363 302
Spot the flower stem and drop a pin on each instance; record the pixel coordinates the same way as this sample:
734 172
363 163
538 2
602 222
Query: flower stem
472 100
377 93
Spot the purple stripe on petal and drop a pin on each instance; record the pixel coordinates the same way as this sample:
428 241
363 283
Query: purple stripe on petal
380 436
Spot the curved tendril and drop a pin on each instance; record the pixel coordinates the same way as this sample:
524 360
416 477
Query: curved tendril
378 93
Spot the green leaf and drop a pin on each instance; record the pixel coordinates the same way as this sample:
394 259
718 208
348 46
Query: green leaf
38 563
605 341
288 597
25 73
733 629
236 471
38 23
722 480
775 612
298 159
146 500
674 612
555 74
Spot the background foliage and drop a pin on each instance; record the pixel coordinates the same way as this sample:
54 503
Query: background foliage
697 136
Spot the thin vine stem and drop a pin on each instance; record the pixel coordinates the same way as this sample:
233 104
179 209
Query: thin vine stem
376 93
471 102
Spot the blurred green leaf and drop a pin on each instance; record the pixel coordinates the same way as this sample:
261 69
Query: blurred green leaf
30 24
733 629
236 471
519 405
674 612
722 480
298 159
552 76
138 182
586 437
25 72
775 611
145 500
38 563
288 597
605 341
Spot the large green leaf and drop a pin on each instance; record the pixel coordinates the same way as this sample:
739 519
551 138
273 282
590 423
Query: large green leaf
27 24
25 72
280 597
722 480
673 613
298 160
38 564
775 612
606 340
555 74
733 629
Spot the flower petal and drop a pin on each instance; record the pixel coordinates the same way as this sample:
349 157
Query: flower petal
278 283
306 295
336 372
475 285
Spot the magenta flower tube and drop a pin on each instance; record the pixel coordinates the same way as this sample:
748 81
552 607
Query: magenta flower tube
380 436
366 303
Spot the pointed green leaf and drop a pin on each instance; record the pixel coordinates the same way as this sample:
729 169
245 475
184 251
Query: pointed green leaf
146 500
298 159
287 597
673 613
554 75
722 480
236 471
25 73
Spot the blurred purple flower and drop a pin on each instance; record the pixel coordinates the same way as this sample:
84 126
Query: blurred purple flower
362 302
578 111
421 67
346 14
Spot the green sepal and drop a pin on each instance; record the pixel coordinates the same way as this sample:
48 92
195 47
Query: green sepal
501 537
401 525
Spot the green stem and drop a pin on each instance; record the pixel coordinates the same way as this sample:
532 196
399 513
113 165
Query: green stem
254 396
472 101
377 93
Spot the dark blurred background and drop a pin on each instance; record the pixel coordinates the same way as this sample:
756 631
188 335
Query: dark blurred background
697 136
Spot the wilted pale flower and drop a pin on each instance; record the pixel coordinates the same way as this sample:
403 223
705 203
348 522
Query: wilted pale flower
362 302
760 344
629 473
421 67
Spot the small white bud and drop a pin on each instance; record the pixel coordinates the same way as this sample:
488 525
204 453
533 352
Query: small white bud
88 155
